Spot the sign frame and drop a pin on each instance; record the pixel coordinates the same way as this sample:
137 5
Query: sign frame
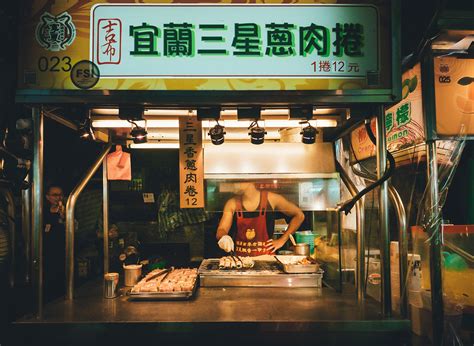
194 98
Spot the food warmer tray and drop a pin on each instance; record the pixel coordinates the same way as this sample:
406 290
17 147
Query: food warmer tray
262 274
292 268
178 295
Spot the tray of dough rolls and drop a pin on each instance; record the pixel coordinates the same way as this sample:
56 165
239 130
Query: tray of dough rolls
166 284
215 272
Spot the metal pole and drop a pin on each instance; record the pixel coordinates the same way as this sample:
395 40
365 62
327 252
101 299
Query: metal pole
61 120
26 228
435 246
402 249
12 230
383 214
70 224
37 208
402 236
105 214
360 270
339 247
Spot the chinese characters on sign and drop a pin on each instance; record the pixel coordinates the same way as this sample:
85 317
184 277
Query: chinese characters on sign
179 40
312 41
191 171
108 41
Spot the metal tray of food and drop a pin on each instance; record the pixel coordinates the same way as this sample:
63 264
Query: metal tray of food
298 264
262 274
173 295
178 295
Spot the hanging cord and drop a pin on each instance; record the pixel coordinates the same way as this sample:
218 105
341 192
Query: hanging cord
133 123
347 206
368 243
253 124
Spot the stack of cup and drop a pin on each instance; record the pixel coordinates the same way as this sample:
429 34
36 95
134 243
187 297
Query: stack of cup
111 285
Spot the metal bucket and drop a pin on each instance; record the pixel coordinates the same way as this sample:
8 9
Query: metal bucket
302 249
132 274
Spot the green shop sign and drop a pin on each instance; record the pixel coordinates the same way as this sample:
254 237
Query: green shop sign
215 41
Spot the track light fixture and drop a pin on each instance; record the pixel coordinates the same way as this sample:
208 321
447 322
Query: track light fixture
139 134
217 134
208 113
308 134
134 112
257 133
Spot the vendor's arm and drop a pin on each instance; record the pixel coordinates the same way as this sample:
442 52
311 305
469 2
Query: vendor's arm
280 203
226 220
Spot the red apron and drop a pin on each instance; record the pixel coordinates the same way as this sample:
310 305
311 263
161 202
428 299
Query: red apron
252 234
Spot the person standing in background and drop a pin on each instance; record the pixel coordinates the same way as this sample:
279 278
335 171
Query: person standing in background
54 243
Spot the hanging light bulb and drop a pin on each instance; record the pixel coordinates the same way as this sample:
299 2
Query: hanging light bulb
308 134
139 134
257 133
217 134
86 131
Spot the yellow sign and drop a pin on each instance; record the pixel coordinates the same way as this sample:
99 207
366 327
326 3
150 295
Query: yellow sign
403 121
361 145
454 94
192 45
191 168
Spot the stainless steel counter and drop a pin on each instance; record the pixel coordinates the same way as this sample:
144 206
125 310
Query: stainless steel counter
257 310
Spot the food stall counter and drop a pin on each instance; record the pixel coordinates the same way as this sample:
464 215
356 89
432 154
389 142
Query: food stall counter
250 310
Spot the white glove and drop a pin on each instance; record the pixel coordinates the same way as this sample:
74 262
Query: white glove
226 243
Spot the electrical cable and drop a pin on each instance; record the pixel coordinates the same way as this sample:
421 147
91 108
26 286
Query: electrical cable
369 233
347 206
368 243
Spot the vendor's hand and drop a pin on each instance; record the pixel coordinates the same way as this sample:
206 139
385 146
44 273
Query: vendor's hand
275 244
226 243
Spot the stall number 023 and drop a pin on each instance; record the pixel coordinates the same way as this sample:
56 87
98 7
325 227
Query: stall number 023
54 64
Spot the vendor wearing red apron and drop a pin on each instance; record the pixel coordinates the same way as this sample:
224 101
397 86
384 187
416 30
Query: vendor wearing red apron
252 236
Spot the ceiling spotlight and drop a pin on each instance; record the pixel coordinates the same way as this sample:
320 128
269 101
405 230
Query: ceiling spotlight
86 131
139 134
308 134
217 134
257 133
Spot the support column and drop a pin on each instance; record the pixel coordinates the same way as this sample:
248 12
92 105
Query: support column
383 214
436 239
26 229
70 223
37 209
105 214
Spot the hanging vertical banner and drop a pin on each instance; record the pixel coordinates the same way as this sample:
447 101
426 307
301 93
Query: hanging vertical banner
191 170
